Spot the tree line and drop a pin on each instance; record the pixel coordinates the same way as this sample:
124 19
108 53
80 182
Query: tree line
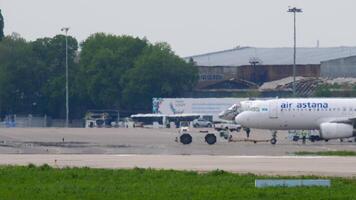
105 72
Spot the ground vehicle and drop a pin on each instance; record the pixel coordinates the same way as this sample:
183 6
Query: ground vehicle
101 118
149 120
227 126
185 136
202 123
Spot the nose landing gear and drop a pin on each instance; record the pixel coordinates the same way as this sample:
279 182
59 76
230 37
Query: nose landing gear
274 137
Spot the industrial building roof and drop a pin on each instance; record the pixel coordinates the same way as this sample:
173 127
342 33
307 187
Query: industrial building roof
272 56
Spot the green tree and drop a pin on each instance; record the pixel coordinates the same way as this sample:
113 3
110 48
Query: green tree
18 69
158 72
32 74
1 26
103 60
50 76
110 72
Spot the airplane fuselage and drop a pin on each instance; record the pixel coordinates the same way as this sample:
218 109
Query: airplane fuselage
297 113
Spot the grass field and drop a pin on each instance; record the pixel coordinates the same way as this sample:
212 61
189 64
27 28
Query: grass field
326 153
83 183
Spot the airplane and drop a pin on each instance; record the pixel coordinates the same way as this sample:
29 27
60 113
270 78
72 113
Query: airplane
334 117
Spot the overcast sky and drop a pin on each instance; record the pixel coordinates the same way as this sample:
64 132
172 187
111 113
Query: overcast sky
189 26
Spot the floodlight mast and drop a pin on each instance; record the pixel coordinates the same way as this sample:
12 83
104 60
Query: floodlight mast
66 29
294 10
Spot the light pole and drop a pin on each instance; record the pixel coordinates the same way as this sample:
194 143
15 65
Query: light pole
294 11
66 29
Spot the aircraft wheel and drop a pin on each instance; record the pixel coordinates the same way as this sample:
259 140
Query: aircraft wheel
273 141
185 138
210 139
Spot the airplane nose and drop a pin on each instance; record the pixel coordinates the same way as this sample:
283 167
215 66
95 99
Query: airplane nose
240 119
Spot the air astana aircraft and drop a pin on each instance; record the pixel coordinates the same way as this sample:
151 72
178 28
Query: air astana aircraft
333 117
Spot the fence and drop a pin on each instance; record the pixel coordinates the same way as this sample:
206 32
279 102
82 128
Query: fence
27 121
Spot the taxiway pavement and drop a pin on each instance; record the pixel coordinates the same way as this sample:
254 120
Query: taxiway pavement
149 142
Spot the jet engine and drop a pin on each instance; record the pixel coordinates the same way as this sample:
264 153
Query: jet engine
336 130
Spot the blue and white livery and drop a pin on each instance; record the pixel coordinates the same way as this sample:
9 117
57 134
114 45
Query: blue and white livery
333 117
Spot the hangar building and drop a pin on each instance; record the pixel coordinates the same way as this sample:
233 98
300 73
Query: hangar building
340 67
249 67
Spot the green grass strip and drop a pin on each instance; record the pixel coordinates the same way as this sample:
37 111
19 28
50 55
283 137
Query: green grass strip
44 182
326 153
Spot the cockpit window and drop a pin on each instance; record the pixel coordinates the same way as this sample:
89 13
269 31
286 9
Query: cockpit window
233 108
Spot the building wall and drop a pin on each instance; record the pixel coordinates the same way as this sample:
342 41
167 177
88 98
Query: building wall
266 73
257 74
343 67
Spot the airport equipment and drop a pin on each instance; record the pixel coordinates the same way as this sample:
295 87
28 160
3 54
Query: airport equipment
210 138
178 119
66 29
296 135
202 123
227 126
185 137
262 183
165 121
101 118
294 11
148 120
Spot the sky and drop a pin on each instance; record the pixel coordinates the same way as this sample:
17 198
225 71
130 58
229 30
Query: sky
191 27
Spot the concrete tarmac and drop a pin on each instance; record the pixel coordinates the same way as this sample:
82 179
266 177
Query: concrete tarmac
156 148
149 141
262 165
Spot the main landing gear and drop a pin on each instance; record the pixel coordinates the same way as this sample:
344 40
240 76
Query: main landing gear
274 137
